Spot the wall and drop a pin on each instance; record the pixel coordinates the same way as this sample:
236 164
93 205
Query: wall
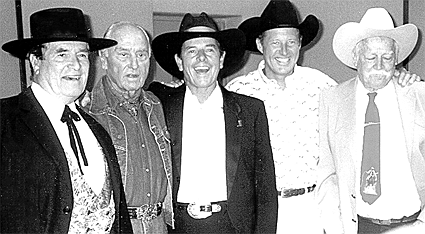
332 13
417 17
9 69
100 14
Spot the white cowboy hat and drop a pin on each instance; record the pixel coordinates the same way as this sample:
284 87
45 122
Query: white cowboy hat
375 22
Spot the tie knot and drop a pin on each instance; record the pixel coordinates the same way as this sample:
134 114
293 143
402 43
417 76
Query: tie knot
69 115
372 96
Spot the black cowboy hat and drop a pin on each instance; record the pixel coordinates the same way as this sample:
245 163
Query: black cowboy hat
166 45
56 24
278 14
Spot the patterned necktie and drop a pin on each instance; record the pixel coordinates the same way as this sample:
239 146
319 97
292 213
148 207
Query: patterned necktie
370 183
69 116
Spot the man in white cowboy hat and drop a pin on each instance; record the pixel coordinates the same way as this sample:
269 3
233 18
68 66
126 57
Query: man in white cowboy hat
291 95
372 135
223 171
58 169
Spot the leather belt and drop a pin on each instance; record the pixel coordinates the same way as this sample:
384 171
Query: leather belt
201 211
393 221
145 212
295 192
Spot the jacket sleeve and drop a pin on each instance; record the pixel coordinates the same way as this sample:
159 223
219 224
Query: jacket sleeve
265 176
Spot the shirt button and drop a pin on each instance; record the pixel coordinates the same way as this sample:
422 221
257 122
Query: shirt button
147 170
119 136
148 194
66 210
143 145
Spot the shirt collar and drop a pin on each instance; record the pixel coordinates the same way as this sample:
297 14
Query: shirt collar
266 80
51 105
214 100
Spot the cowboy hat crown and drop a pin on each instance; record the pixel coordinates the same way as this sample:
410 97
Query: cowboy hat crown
56 24
376 22
279 14
166 45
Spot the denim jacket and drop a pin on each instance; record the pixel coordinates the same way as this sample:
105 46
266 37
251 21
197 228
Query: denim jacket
102 111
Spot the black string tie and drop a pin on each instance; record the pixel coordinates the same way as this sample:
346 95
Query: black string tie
68 116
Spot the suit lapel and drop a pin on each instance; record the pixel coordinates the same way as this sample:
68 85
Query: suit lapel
345 125
108 151
34 117
173 111
37 121
234 125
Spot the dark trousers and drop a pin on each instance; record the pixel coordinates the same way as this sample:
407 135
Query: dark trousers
367 227
218 222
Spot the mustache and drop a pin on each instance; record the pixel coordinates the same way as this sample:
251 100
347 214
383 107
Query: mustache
379 74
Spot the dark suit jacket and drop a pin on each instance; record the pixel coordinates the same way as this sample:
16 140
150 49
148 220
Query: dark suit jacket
251 187
35 184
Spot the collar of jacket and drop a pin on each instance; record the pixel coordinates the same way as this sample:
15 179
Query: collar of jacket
99 103
230 103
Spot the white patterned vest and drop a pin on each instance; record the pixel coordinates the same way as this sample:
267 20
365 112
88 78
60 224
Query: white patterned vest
91 213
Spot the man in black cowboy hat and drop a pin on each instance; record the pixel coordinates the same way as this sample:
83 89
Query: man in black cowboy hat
59 171
223 169
291 94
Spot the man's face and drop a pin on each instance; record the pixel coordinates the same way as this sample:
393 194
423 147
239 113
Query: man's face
281 49
63 69
200 62
376 62
127 63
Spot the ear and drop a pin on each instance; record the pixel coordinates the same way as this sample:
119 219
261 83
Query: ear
222 59
103 54
35 63
178 62
259 45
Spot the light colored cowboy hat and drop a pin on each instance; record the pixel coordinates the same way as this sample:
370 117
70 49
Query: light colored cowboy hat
166 45
279 14
375 22
56 24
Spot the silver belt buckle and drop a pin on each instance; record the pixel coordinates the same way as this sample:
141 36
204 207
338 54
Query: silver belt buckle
147 212
202 211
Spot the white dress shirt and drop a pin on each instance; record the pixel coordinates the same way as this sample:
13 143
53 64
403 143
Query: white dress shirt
94 173
399 196
203 162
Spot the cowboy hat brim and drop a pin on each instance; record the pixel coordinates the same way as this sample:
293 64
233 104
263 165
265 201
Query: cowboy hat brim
254 27
166 45
348 35
20 48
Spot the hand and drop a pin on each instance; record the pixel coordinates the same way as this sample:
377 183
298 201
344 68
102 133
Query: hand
85 99
174 83
405 78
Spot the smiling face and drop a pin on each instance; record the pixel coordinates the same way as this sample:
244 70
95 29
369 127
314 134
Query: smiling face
375 59
127 63
200 61
281 49
63 69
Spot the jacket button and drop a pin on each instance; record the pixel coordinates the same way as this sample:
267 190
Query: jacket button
66 210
